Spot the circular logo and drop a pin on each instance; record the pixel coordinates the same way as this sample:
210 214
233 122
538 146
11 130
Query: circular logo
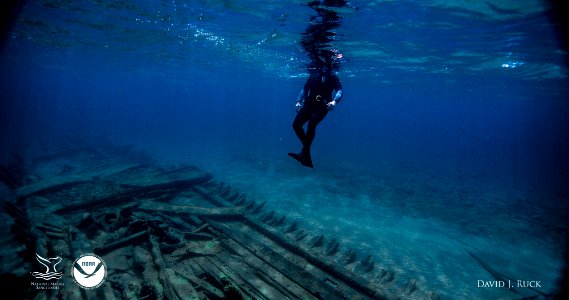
89 271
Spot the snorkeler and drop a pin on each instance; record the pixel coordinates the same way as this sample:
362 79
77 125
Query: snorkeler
321 93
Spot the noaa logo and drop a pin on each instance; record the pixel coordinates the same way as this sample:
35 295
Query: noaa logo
89 271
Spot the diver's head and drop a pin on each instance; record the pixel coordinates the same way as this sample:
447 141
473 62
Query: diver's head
330 60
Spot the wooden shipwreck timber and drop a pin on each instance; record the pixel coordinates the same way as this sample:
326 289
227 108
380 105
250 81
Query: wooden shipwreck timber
172 233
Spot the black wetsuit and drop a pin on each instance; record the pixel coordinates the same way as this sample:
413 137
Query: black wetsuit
318 91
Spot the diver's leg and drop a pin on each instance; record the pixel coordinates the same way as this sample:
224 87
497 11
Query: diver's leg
316 118
301 118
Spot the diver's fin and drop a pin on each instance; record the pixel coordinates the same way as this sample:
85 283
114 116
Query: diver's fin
305 161
296 156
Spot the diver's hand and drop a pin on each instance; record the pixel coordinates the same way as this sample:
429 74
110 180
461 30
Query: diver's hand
331 105
298 106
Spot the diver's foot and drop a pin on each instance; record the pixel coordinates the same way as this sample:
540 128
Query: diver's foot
307 161
304 160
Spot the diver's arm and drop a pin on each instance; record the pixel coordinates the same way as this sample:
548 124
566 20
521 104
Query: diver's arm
339 93
300 100
335 100
337 96
301 96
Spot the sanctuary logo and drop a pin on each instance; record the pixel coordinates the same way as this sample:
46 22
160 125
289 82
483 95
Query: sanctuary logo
49 278
50 268
89 271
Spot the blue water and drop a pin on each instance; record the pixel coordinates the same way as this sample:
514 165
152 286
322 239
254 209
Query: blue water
452 129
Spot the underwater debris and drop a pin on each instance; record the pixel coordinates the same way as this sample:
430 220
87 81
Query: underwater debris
250 205
316 242
267 217
348 257
411 286
233 196
224 192
385 276
241 201
163 274
332 247
366 265
278 221
300 235
291 228
176 233
258 208
129 240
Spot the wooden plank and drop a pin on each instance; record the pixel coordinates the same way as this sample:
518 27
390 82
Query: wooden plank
52 185
57 183
231 278
353 280
315 286
254 269
134 193
228 212
163 274
129 240
158 178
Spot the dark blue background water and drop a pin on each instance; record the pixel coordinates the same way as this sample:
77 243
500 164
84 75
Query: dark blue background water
430 93
489 127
